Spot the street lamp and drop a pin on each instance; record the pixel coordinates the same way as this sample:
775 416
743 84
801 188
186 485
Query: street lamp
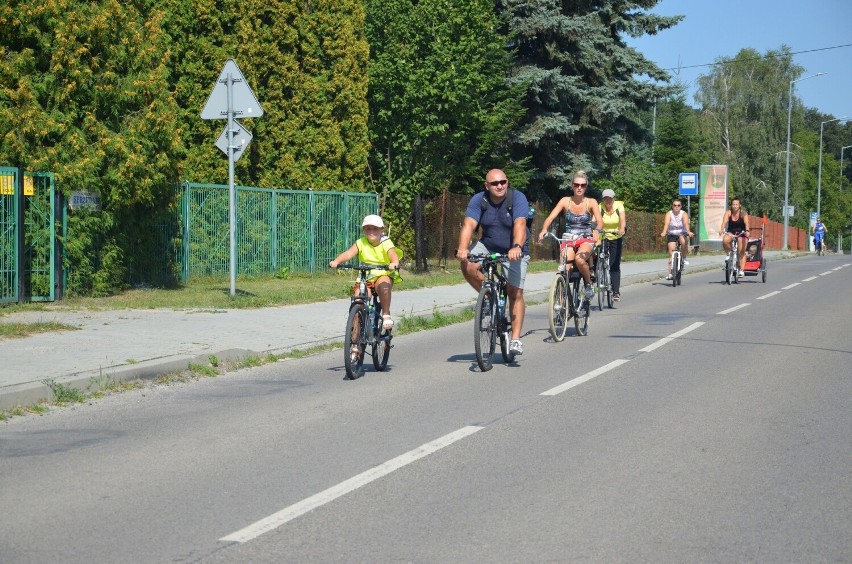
787 175
819 174
841 164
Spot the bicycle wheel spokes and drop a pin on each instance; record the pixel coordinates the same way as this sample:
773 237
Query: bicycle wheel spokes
355 341
675 267
581 308
600 281
729 264
608 276
485 327
558 311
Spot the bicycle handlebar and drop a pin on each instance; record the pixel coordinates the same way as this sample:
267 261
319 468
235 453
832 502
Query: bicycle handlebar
364 267
496 257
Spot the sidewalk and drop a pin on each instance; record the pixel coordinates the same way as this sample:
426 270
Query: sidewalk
130 344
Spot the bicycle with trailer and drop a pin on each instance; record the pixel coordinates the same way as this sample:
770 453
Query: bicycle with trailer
755 261
567 300
490 316
364 325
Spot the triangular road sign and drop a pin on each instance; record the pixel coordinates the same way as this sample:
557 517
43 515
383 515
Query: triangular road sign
242 138
245 103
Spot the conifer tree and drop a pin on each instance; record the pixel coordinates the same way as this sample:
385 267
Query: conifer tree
585 83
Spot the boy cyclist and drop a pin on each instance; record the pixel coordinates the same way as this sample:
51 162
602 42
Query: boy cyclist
376 248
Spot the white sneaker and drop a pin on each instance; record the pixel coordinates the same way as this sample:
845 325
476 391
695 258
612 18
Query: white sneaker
516 347
740 273
686 263
590 291
669 276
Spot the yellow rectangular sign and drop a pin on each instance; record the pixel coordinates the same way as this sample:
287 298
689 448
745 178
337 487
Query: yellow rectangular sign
7 185
28 186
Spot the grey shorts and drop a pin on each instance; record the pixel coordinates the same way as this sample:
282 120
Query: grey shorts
515 271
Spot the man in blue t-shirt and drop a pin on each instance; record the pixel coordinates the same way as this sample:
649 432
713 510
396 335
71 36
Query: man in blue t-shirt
502 214
819 234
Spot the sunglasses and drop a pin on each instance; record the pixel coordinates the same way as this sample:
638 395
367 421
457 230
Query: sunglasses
676 205
498 182
577 185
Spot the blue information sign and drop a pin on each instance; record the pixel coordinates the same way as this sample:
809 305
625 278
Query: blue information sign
688 183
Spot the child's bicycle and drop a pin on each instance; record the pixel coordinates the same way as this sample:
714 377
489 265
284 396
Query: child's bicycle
364 326
490 319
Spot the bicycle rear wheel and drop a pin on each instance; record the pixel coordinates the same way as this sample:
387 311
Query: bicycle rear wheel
581 309
382 345
558 311
355 341
485 327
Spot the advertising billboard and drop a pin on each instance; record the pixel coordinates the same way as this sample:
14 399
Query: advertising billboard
713 188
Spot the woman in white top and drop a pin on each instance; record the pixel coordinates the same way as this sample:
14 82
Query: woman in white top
675 226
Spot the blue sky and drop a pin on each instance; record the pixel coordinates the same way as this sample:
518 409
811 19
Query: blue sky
808 27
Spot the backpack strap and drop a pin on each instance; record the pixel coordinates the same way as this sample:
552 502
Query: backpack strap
484 203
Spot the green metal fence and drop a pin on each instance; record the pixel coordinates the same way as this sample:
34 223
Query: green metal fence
28 223
299 231
8 235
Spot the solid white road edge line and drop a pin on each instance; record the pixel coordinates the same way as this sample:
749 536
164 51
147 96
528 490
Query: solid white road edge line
672 337
584 378
297 509
735 308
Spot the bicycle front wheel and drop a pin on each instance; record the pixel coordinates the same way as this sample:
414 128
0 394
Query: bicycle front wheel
485 327
355 341
675 268
600 281
729 265
581 309
609 290
558 311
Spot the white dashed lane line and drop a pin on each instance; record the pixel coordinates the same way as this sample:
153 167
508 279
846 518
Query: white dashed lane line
584 378
671 337
769 295
732 309
297 509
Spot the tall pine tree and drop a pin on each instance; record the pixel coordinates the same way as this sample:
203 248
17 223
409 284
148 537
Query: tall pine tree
585 84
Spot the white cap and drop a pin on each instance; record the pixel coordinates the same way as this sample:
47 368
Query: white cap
608 193
373 220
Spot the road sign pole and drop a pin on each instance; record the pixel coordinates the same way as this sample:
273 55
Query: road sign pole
232 197
231 97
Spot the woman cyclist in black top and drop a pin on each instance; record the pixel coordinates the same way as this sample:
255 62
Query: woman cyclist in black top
736 220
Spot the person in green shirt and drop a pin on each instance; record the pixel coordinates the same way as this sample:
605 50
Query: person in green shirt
376 248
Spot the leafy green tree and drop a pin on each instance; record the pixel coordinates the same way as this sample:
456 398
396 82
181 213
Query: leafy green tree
676 144
585 87
744 125
307 64
85 95
440 107
641 184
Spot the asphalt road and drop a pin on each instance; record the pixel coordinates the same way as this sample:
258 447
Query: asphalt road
703 423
